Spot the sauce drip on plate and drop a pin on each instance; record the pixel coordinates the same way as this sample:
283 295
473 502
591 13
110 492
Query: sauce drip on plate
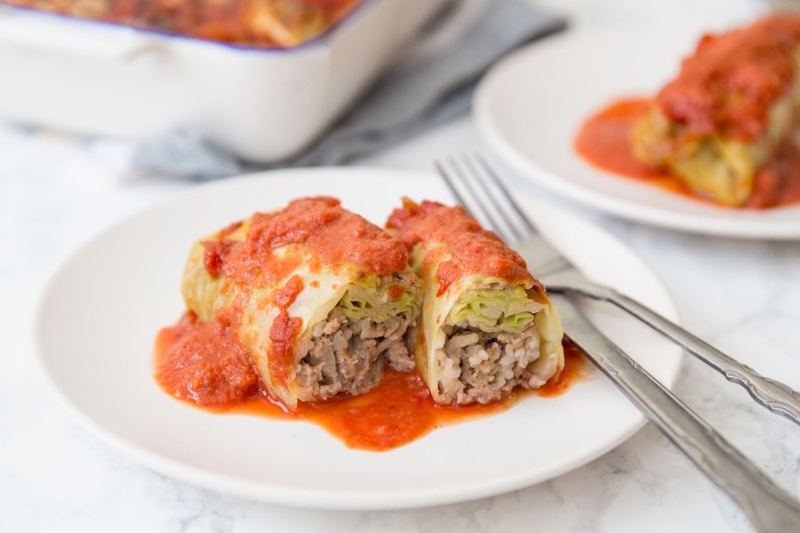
604 141
203 364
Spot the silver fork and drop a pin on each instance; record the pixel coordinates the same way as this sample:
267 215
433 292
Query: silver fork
770 509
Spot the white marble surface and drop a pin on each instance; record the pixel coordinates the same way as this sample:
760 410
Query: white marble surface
56 191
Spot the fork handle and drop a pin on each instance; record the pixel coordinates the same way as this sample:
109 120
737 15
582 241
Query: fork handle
769 508
772 394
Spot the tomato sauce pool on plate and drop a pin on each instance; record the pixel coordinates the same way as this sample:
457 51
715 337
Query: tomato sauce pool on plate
604 142
203 364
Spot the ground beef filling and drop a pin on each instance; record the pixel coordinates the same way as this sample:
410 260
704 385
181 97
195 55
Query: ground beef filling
346 356
483 367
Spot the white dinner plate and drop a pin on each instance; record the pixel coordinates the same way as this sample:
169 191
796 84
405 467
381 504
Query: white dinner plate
98 316
531 105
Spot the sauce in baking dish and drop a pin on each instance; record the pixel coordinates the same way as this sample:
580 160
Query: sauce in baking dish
604 141
203 364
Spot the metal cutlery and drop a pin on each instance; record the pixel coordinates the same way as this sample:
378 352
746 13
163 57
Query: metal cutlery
770 508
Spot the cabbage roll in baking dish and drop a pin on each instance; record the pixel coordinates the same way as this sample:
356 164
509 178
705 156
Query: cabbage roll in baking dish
487 326
321 298
721 121
262 23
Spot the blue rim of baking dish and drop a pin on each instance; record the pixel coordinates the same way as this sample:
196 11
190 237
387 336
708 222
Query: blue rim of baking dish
319 40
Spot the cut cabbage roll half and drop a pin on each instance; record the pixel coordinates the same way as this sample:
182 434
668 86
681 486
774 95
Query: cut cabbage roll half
321 298
487 326
722 120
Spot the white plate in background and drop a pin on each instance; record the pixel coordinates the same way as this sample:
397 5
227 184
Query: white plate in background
530 107
98 316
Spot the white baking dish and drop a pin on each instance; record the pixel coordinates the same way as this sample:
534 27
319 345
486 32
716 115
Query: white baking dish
263 104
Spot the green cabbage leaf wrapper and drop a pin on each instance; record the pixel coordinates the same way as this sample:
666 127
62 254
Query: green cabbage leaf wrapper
373 299
495 310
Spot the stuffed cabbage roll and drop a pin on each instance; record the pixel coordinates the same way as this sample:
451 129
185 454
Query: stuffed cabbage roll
721 121
320 298
487 326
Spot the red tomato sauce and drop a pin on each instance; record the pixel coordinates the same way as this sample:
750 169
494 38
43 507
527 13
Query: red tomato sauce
284 330
604 142
452 231
728 85
204 364
332 235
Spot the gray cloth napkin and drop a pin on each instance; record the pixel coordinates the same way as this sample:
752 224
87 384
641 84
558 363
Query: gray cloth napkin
415 96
